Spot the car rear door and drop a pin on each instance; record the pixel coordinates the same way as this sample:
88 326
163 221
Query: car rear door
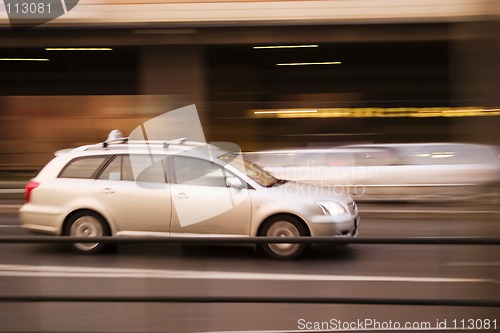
138 203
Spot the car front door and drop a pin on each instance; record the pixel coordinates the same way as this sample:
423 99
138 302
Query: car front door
202 203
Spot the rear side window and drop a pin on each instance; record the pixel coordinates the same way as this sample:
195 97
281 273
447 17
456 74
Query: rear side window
84 167
141 168
114 170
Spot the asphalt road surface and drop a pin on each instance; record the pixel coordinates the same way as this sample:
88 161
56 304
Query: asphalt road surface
408 272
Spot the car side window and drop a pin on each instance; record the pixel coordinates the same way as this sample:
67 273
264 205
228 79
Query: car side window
114 170
84 167
141 168
193 171
119 168
154 173
127 171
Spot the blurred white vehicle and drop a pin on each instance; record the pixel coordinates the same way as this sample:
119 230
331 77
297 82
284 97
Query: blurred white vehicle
410 172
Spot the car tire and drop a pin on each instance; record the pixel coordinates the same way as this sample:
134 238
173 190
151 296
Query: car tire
87 224
284 226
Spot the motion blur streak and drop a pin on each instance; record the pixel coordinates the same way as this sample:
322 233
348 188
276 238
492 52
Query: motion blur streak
410 72
94 272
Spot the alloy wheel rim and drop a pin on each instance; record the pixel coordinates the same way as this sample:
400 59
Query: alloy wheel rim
86 226
283 229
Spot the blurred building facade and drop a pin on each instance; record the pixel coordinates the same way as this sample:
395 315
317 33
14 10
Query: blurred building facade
341 71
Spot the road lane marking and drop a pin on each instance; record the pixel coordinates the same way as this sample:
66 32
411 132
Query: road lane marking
97 272
369 210
12 207
430 211
11 190
473 263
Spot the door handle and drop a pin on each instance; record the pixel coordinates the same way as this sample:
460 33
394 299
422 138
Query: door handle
181 195
108 190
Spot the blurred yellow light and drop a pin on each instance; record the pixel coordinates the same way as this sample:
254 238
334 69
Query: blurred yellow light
442 155
24 59
285 111
78 49
284 46
375 112
309 63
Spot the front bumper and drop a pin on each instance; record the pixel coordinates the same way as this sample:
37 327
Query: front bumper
327 225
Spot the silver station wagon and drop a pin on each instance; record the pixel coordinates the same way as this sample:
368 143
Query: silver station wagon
177 188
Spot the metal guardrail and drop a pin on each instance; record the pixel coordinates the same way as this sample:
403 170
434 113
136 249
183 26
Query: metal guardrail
257 240
252 299
255 299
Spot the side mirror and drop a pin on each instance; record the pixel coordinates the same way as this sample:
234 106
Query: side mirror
234 182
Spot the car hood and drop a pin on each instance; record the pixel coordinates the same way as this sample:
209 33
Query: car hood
311 191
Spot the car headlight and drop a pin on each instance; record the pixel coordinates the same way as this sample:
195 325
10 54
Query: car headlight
331 208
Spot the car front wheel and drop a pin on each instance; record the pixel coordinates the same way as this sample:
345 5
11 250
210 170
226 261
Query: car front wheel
284 226
87 224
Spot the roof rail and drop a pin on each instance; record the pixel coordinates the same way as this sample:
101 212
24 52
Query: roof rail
178 141
116 137
165 144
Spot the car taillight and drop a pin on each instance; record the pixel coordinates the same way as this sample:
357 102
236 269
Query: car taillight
27 191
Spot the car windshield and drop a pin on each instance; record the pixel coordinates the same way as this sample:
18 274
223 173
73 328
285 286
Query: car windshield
252 170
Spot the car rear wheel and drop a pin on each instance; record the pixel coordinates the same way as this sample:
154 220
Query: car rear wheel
284 226
87 224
